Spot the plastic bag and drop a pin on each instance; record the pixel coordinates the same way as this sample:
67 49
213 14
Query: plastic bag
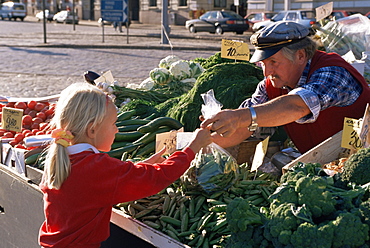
213 168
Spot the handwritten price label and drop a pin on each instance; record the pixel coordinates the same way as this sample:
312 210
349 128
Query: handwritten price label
168 140
12 119
365 128
351 134
235 50
324 11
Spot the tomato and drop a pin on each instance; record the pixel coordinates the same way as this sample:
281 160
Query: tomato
13 142
26 111
10 104
25 131
40 133
43 126
41 115
20 105
39 106
20 146
27 120
32 104
49 112
32 113
2 133
19 137
35 126
37 120
29 134
8 135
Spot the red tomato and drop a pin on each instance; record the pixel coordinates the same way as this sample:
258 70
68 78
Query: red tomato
29 134
26 131
32 113
2 133
37 120
10 104
40 133
35 126
26 111
39 106
20 105
27 120
43 126
49 112
27 126
19 137
41 115
32 104
13 142
8 135
20 146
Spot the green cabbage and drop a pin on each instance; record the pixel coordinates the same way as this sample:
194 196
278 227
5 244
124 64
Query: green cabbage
160 76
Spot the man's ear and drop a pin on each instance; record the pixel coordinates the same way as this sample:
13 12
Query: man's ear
301 56
90 132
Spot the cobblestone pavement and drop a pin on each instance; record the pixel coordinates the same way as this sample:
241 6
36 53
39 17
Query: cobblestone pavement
31 68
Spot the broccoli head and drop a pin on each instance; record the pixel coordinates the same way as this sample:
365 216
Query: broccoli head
356 168
240 213
312 192
309 235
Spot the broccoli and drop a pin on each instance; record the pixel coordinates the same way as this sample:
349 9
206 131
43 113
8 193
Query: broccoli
240 213
356 168
310 235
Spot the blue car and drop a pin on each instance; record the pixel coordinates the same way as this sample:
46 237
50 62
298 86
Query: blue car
218 22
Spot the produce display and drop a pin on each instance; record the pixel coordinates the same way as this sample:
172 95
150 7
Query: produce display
35 121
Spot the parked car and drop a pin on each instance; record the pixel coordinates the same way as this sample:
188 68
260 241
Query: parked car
65 16
305 17
258 17
109 23
48 15
218 21
10 10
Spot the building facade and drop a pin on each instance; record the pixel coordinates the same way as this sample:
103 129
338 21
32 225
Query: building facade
149 11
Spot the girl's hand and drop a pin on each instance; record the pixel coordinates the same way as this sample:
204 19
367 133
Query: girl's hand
156 158
202 138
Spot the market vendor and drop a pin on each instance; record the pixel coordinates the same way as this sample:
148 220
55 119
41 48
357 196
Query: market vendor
308 91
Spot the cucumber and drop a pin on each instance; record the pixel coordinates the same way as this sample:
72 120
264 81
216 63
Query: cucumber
117 153
132 122
125 115
30 160
127 136
119 144
149 137
158 122
128 128
147 149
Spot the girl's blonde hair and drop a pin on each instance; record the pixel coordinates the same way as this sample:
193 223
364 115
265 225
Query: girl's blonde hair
79 105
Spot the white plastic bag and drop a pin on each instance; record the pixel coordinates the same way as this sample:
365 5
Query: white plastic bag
213 168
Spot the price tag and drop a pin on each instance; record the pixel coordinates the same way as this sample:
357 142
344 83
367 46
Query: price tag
324 11
351 134
259 154
168 140
234 50
107 77
365 128
12 119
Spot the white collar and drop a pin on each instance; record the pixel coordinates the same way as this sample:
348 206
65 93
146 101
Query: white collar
80 148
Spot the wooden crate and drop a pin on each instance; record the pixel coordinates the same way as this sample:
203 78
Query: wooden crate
325 152
244 152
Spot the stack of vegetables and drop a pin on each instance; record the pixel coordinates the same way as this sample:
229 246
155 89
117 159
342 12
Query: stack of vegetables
308 209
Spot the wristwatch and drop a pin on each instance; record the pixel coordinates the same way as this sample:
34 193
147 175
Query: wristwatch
253 126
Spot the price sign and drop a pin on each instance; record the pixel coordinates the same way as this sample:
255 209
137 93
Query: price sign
365 128
351 134
324 11
12 119
168 140
259 154
234 50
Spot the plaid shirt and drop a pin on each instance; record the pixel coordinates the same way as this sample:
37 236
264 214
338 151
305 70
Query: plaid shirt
327 87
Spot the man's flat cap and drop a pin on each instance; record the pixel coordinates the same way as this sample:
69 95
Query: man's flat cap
272 38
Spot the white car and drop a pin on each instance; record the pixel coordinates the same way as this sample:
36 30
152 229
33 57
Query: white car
40 16
65 16
10 10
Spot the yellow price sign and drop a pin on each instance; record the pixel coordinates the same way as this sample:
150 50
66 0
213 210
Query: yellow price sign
235 50
351 134
12 119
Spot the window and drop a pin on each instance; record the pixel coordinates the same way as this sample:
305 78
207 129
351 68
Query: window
183 3
220 3
152 3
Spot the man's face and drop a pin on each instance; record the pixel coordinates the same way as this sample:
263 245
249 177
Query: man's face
281 71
